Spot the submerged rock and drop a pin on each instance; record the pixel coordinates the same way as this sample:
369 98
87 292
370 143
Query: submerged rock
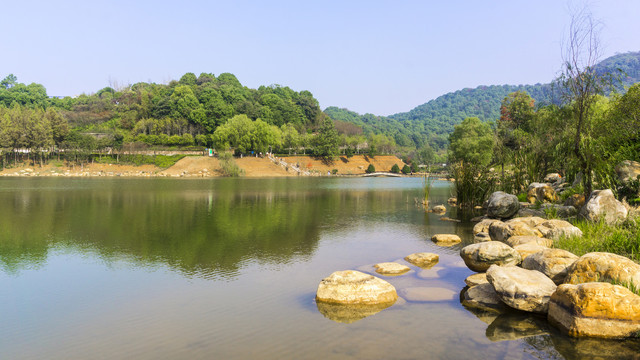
595 310
603 205
554 263
355 287
424 260
478 257
601 266
502 205
391 268
522 289
428 294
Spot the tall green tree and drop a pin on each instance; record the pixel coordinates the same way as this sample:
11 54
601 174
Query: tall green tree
471 142
327 140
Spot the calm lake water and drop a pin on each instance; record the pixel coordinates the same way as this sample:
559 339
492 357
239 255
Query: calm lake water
228 269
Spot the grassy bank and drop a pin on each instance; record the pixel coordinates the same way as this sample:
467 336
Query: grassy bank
622 239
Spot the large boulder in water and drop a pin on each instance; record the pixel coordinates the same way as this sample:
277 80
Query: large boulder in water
603 205
601 266
554 263
596 310
355 287
522 289
478 257
502 205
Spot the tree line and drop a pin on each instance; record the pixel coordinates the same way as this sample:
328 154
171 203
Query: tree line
193 112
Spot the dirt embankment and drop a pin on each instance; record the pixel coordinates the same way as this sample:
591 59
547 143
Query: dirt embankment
204 166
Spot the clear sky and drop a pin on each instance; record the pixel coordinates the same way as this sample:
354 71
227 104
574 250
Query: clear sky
381 57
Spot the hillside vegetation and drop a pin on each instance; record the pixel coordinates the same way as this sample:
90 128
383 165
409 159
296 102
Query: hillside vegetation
434 120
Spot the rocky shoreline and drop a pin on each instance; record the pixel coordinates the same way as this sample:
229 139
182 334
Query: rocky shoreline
519 270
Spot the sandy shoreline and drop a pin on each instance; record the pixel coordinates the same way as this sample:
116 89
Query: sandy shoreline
203 167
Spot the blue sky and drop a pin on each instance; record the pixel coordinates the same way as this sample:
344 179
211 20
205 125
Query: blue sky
381 57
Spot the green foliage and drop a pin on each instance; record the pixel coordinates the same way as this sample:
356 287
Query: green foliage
406 170
370 169
473 184
622 239
395 169
326 142
334 171
471 142
166 161
228 166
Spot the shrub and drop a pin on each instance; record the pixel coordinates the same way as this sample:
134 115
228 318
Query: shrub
371 169
228 166
406 169
395 169
334 171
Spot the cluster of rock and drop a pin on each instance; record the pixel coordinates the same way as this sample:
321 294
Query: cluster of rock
349 295
519 269
601 204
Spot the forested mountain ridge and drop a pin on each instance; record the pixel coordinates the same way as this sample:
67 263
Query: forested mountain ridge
435 119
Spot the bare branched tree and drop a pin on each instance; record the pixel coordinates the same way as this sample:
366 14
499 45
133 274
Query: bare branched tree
581 83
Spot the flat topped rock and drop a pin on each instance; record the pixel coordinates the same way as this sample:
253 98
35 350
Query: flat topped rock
391 268
428 294
423 260
355 287
446 238
522 289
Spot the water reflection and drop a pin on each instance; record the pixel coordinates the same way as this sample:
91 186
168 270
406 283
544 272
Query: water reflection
200 228
348 314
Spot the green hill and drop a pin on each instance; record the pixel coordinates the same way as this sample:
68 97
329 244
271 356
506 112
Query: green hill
435 119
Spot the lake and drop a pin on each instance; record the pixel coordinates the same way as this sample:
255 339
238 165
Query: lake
228 269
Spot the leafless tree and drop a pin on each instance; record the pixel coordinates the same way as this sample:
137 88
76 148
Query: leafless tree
581 83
